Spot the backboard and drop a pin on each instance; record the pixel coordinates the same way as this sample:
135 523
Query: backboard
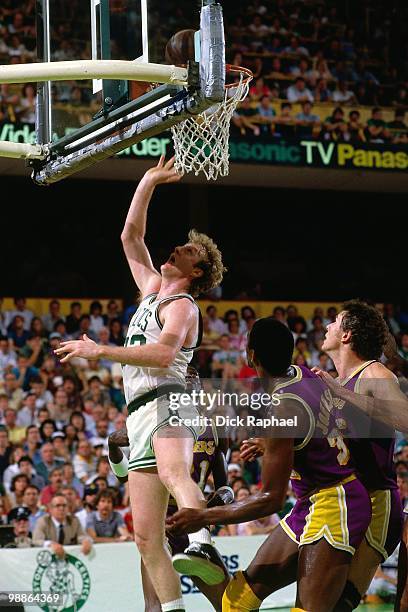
93 29
80 119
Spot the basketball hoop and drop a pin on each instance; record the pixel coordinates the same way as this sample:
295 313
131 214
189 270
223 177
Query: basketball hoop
201 141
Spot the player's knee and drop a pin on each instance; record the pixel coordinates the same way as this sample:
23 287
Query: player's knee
239 596
349 599
148 543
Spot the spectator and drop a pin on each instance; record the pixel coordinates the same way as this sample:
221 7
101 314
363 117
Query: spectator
72 321
403 351
60 445
89 496
215 323
8 357
20 310
16 434
96 318
279 314
19 519
298 92
317 333
307 121
342 95
259 90
355 127
103 470
116 335
19 483
245 118
377 130
47 429
60 411
105 524
24 372
5 451
55 486
226 361
28 414
295 49
53 315
258 31
48 461
266 115
26 466
397 127
70 480
17 333
58 528
73 499
31 502
33 443
335 126
321 92
84 461
285 122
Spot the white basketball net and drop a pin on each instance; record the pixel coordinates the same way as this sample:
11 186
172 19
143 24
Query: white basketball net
201 141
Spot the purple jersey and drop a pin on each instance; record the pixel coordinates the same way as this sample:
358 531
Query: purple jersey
371 443
204 453
322 458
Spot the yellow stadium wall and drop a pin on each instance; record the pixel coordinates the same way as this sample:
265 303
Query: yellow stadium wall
261 308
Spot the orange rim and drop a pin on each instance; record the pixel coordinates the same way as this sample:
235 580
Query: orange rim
230 68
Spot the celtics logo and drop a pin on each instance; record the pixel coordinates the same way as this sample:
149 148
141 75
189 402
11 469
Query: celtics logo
67 577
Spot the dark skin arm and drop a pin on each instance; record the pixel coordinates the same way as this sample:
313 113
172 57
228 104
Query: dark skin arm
276 467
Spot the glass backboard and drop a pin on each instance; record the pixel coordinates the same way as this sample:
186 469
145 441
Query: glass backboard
99 29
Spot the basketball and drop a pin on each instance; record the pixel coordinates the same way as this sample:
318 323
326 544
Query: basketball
180 48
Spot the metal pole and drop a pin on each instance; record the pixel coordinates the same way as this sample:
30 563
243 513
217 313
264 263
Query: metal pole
93 69
43 120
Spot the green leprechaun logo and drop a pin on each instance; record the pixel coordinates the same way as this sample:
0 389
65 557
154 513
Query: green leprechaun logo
67 577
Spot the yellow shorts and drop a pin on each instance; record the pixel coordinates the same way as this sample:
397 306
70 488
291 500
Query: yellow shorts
341 514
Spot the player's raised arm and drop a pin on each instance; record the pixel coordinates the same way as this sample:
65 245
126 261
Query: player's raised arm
146 276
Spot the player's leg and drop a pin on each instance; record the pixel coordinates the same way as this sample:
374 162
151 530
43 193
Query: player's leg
213 592
173 449
273 567
401 604
152 602
381 539
149 499
322 575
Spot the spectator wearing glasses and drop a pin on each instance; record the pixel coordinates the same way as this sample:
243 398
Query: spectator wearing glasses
58 528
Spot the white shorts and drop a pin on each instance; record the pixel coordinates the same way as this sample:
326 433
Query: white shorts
144 422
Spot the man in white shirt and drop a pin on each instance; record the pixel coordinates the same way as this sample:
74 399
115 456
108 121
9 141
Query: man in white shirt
298 92
20 310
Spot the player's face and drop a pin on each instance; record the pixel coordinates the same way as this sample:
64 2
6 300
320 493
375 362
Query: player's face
334 334
183 261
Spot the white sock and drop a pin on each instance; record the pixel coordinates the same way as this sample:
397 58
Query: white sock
203 536
176 604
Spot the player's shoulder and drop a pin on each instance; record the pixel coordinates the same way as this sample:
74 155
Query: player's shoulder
378 370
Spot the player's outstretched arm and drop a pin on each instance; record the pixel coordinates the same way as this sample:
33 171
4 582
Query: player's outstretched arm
276 467
146 276
379 396
180 318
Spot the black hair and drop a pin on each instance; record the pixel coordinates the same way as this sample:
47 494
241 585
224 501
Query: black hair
273 344
25 458
368 329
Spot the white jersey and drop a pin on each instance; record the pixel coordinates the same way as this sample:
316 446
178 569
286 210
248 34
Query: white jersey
145 328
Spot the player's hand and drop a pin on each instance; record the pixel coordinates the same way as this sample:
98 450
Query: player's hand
333 383
252 448
186 520
164 172
86 348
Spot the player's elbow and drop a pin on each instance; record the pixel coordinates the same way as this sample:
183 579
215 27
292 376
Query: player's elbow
165 357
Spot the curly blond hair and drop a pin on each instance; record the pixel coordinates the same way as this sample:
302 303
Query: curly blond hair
211 265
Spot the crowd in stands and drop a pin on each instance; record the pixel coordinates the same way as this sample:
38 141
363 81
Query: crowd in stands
317 64
55 418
